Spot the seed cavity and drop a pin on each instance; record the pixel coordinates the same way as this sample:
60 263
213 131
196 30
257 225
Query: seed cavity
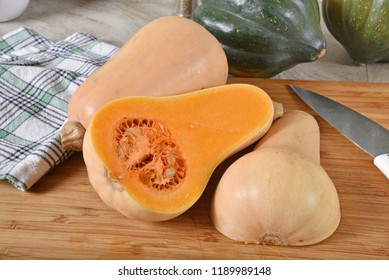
146 147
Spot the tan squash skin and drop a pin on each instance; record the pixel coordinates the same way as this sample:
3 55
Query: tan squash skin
205 126
170 55
279 194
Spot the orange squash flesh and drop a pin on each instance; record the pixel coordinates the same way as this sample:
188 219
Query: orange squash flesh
151 158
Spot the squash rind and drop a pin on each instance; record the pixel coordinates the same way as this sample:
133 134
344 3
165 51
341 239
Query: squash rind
264 38
361 27
278 194
295 212
170 55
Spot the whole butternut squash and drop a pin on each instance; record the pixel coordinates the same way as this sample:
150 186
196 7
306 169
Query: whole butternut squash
278 194
150 158
168 56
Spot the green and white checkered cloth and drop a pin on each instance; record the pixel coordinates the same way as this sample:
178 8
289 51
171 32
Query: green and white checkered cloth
37 78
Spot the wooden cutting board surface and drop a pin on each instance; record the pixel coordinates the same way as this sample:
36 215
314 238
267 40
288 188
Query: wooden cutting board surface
62 217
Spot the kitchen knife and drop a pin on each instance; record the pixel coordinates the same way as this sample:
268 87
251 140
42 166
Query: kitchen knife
362 131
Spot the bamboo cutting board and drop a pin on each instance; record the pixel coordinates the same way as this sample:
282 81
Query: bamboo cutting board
62 217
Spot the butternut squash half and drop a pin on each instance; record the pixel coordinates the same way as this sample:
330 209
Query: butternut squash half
150 158
279 194
168 56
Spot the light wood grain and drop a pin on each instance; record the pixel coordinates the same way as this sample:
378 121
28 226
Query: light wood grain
62 217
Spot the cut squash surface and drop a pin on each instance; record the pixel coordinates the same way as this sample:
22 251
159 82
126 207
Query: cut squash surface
162 151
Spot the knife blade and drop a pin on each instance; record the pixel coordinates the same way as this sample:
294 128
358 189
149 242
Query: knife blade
359 129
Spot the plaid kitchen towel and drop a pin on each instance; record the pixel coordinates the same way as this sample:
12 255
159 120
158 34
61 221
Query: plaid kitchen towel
37 78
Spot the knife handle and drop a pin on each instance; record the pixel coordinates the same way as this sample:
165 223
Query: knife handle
382 163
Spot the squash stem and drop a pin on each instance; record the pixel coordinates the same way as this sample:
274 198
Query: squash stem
72 136
185 8
278 110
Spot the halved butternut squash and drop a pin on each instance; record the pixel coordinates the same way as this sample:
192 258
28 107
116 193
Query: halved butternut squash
150 158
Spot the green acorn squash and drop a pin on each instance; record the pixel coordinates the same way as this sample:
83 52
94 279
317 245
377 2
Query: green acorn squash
361 26
262 38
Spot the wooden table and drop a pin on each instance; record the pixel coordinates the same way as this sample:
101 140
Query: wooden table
62 217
